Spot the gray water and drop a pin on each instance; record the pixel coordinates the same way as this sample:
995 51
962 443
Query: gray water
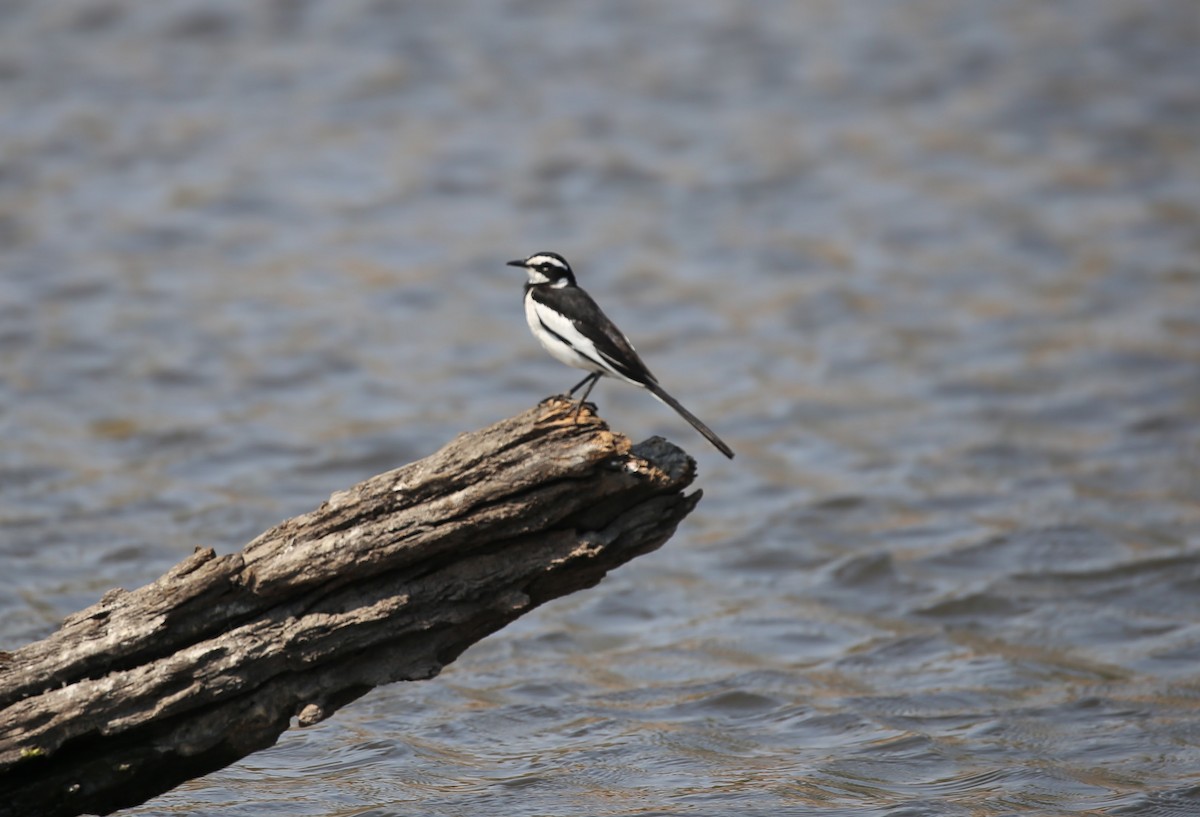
932 268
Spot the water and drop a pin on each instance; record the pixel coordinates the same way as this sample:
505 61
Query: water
931 268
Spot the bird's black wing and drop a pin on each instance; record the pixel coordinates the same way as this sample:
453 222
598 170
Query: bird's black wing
589 320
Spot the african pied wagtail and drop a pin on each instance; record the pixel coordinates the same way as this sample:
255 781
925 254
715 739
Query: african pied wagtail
571 326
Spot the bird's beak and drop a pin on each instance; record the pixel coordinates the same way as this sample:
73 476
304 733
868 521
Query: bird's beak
514 263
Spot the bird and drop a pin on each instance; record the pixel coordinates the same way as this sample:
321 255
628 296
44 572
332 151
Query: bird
574 330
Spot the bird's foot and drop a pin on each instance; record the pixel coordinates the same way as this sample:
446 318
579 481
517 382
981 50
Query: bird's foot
559 406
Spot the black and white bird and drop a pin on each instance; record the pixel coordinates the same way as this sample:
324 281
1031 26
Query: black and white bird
572 327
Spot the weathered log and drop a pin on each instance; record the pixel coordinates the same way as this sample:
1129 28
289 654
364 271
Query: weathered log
387 581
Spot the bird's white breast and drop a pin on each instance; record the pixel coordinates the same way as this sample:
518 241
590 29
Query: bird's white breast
540 318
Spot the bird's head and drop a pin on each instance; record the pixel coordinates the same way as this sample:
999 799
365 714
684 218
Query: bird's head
546 269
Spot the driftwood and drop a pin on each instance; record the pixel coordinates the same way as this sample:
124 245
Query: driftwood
390 580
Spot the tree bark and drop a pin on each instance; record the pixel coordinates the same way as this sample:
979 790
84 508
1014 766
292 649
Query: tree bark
387 581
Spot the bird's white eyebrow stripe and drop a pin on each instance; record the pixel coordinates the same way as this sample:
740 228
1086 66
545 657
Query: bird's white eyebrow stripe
539 260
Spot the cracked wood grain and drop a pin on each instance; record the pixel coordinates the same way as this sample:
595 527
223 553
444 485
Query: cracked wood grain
389 580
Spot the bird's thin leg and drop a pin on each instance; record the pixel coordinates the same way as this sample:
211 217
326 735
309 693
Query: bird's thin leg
575 388
595 378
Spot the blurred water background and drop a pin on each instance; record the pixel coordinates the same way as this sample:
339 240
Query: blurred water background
931 267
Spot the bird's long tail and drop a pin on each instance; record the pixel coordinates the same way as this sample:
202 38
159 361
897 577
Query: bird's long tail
707 432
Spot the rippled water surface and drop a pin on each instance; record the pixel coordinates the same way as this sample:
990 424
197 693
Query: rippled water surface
930 267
